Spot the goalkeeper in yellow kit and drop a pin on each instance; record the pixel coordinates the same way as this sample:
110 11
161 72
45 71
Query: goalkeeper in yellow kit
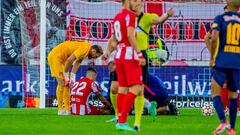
60 60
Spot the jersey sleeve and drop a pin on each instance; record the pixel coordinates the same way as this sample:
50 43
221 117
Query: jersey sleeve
95 87
82 51
216 23
151 17
130 20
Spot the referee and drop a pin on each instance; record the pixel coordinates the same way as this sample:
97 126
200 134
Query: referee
145 22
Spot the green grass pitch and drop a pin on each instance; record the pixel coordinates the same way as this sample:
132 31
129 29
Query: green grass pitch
46 122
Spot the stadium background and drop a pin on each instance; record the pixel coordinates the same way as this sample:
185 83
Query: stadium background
186 74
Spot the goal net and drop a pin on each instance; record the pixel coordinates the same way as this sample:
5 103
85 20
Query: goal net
185 72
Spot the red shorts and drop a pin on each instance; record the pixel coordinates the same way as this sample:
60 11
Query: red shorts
83 109
128 69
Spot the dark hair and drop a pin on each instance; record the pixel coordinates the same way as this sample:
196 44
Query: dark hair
92 69
123 1
225 7
111 63
98 49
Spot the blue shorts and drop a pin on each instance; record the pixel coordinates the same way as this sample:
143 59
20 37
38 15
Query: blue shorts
232 76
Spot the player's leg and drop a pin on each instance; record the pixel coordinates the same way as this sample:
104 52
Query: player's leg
59 94
113 96
233 85
123 89
139 101
128 102
131 77
55 68
138 107
224 97
66 100
218 78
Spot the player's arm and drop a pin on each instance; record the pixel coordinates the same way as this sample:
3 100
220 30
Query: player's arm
207 39
213 43
214 38
69 62
103 100
96 90
132 39
67 66
164 17
112 45
76 65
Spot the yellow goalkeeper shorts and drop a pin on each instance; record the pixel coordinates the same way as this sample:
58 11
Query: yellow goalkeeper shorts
56 67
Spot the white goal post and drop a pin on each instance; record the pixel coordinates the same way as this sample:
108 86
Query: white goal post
42 53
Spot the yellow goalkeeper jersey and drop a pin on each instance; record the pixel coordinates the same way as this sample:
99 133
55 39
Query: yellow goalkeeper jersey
79 48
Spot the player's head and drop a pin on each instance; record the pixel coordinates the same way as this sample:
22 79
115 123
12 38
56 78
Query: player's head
91 74
233 5
130 4
111 66
95 52
139 7
225 8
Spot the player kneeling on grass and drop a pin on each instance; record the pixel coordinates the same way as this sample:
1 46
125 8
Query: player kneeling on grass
158 93
80 93
60 59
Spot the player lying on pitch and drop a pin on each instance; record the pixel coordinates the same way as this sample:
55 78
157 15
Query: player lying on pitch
81 92
60 59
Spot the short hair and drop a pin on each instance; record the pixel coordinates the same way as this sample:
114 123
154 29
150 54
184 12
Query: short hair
123 1
92 70
111 63
225 7
98 49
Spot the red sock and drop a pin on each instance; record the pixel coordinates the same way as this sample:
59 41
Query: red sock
224 97
120 99
127 105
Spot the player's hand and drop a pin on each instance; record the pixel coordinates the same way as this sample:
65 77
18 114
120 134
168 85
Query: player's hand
105 56
66 78
207 37
142 60
211 63
72 79
171 12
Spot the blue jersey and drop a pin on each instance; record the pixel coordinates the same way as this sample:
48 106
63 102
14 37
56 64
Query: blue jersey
157 86
227 53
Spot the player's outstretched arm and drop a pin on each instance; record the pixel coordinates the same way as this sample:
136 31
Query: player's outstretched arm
164 17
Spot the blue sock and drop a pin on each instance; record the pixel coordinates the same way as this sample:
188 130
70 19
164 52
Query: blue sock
218 105
233 112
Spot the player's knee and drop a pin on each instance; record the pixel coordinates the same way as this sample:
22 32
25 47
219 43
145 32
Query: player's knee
114 87
216 89
136 89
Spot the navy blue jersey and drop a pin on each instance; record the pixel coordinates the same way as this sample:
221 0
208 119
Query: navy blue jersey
157 86
227 53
